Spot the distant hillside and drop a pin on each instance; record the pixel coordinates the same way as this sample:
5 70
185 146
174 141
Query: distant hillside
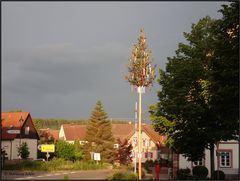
56 123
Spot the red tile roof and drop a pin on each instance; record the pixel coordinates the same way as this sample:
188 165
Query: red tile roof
74 132
11 119
149 130
54 133
122 131
48 133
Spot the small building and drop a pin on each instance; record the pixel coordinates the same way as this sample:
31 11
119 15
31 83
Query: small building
18 127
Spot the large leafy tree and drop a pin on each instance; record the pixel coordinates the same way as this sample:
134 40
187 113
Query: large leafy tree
200 87
99 135
65 150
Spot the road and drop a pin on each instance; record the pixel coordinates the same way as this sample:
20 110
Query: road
77 175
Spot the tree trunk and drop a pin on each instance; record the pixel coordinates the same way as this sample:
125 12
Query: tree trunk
212 159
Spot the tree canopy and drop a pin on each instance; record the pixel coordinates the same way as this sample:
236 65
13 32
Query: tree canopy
198 103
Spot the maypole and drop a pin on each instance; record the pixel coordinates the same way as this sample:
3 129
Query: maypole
141 75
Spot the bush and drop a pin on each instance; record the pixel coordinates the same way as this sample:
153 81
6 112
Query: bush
200 172
218 175
184 174
124 176
23 150
148 164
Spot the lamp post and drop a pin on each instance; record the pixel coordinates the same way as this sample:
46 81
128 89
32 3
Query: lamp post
141 75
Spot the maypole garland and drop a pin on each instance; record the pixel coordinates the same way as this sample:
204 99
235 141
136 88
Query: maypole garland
141 72
141 75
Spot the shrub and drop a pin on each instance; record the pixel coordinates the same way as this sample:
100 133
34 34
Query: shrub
65 150
183 174
23 150
200 172
124 176
148 164
218 175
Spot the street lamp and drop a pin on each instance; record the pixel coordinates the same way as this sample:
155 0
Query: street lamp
141 75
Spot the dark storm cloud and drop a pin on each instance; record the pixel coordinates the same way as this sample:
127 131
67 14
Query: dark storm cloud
59 58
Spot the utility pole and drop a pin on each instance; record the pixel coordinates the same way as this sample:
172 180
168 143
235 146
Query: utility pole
141 75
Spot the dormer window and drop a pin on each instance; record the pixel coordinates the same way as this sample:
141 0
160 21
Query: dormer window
27 130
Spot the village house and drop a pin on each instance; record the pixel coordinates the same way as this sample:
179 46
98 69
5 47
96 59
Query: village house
226 158
18 127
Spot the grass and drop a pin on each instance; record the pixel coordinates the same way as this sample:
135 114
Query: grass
55 165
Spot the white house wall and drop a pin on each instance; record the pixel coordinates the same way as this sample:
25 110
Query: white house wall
150 148
62 134
14 144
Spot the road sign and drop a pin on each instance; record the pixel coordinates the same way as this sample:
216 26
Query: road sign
48 148
97 156
13 131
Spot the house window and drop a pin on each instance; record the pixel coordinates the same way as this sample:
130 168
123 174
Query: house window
134 141
225 159
148 155
198 163
27 130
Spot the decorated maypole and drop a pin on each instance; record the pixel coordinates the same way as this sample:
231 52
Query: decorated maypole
141 75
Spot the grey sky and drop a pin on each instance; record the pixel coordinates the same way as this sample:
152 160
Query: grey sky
59 58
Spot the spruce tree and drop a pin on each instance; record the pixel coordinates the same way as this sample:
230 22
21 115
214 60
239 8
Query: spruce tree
99 135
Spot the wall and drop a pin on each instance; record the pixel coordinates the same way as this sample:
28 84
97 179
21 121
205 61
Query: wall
13 145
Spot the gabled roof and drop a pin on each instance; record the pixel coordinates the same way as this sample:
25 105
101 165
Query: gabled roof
156 138
14 121
74 132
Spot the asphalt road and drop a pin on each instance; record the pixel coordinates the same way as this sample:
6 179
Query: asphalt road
78 175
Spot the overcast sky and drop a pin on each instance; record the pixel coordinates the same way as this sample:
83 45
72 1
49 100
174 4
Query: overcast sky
59 58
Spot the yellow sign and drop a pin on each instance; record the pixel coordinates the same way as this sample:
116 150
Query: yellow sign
47 148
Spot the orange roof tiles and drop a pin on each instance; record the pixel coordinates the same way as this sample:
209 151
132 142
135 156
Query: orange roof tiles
74 132
49 133
11 119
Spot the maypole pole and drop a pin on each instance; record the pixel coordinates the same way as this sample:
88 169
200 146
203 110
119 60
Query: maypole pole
141 75
140 133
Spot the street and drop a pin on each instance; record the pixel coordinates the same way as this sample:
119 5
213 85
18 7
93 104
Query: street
37 175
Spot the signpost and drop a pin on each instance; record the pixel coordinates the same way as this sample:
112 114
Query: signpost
97 157
48 148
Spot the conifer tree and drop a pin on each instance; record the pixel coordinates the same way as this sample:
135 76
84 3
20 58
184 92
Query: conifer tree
99 135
